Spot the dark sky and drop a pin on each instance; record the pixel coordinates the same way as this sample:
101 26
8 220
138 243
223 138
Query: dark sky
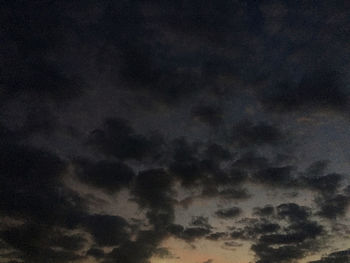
170 131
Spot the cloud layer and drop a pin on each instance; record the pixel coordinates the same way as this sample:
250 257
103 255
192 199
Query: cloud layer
132 131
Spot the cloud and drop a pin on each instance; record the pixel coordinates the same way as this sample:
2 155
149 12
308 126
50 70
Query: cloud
153 189
188 234
217 236
142 70
280 254
286 237
96 253
320 89
310 230
186 165
164 252
159 64
30 65
317 168
106 230
254 228
33 193
275 176
74 242
205 166
234 193
117 138
267 210
293 212
338 256
251 161
333 206
246 133
32 187
200 221
137 251
228 212
107 175
217 152
324 184
231 245
36 244
208 114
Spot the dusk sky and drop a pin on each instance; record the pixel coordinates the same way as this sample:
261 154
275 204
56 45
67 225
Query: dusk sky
174 131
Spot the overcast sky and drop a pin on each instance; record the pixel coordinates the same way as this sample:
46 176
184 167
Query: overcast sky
167 131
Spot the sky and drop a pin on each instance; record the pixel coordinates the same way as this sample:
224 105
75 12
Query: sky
167 131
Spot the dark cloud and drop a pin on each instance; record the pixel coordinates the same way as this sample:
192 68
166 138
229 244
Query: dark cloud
293 212
188 234
192 233
228 212
153 189
251 161
246 133
134 66
117 138
284 247
107 175
276 176
217 152
231 245
186 164
321 89
107 230
30 66
96 253
310 230
208 114
218 24
33 192
36 243
238 234
195 166
266 227
281 241
206 166
235 193
163 252
338 257
347 190
137 251
324 184
280 254
317 168
36 79
217 236
267 210
253 228
32 187
69 242
147 71
333 206
200 221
